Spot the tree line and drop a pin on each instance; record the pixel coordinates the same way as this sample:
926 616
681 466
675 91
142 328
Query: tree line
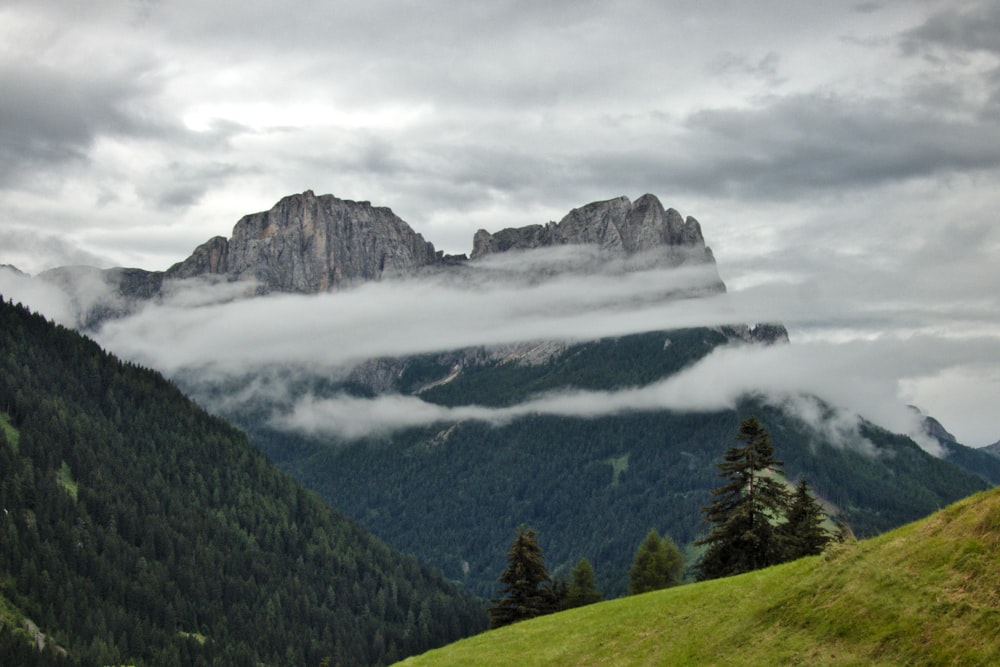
755 522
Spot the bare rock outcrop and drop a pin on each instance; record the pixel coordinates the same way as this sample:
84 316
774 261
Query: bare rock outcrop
618 226
312 244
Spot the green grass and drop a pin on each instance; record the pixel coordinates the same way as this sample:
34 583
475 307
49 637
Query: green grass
12 434
619 464
66 481
927 593
11 617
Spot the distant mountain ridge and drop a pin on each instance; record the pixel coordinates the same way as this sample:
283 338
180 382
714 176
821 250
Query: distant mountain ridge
308 244
443 491
311 244
618 226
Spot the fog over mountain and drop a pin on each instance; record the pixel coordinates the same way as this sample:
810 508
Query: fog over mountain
842 157
853 356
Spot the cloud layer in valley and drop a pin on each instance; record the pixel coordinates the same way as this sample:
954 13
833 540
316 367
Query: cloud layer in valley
871 358
841 157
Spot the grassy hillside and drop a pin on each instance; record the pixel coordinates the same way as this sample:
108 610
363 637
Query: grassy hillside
926 593
136 528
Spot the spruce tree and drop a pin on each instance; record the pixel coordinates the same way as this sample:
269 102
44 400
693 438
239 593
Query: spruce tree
658 563
803 531
743 536
526 590
582 590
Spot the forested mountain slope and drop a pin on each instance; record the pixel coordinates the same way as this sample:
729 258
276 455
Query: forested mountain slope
136 528
924 594
454 493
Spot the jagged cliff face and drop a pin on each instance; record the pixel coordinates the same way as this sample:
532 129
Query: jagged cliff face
312 244
618 226
308 244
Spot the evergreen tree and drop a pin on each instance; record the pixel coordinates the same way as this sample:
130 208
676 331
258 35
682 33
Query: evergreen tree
526 588
743 536
658 563
803 531
582 590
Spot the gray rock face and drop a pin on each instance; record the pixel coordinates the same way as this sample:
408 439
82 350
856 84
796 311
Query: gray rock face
312 244
618 226
309 244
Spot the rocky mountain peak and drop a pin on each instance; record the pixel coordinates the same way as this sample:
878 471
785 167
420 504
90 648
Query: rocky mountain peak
307 244
619 226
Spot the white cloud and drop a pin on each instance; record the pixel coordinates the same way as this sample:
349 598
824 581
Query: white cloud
400 318
793 376
870 357
842 159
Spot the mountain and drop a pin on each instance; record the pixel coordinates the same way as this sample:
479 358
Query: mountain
923 594
454 492
454 488
981 462
136 528
616 226
309 244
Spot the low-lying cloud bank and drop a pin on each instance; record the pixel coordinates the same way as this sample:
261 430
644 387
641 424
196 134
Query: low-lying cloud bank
332 331
856 344
787 375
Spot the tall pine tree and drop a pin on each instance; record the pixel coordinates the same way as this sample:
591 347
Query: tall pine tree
743 536
803 532
526 588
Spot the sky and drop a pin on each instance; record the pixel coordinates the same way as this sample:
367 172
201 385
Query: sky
842 158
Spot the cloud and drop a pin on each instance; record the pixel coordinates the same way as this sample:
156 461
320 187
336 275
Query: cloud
870 356
798 145
851 380
397 318
844 172
41 297
22 247
972 27
36 131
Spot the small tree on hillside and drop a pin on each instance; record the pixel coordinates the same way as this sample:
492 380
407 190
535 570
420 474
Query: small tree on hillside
658 563
803 532
581 590
526 588
743 536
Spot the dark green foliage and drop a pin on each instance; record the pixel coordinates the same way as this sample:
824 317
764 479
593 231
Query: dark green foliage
658 563
453 494
605 364
979 462
582 589
743 536
803 533
526 589
16 649
182 544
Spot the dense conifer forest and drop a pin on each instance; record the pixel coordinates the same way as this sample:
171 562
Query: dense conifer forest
593 488
136 528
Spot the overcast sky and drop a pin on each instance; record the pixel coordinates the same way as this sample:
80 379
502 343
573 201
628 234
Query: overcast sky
844 155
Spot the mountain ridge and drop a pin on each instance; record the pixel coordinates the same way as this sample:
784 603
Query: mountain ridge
309 244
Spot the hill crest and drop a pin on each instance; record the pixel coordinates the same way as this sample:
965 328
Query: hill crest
925 593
